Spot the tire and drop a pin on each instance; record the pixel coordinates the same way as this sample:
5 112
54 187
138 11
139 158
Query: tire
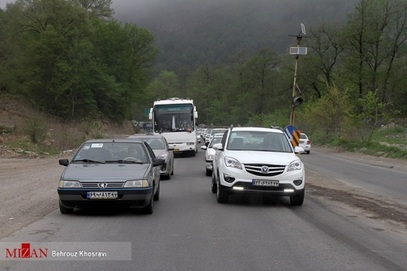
298 199
222 195
308 152
149 209
172 169
64 210
213 184
208 172
157 194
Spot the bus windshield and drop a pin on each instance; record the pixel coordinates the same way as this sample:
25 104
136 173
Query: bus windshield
173 118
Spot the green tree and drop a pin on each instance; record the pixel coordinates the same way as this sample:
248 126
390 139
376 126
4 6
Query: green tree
97 8
164 86
376 33
373 114
44 33
73 64
325 44
127 53
259 80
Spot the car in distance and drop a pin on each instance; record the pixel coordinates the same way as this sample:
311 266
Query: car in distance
161 150
258 160
305 143
110 172
210 153
214 131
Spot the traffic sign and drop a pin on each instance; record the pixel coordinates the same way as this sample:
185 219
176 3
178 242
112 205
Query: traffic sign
294 134
289 130
146 111
296 138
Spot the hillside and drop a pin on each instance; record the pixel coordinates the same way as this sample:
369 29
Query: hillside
194 32
26 132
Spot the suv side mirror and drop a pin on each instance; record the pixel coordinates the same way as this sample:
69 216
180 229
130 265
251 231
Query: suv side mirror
218 146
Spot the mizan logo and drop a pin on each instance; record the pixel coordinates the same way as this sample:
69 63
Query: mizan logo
25 252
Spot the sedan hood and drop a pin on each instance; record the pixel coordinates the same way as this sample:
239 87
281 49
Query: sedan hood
254 157
112 172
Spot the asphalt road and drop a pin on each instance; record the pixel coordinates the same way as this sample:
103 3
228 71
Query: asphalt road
386 177
189 230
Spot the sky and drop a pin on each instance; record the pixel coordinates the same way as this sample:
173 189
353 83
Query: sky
115 2
3 3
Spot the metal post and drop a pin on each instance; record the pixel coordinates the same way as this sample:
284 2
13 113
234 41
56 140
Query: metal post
293 94
292 115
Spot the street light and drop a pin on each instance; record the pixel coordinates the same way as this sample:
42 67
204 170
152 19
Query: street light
297 51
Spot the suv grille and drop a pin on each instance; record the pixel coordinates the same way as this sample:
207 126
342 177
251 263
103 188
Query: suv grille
264 169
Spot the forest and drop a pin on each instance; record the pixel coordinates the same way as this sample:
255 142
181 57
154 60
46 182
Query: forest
74 60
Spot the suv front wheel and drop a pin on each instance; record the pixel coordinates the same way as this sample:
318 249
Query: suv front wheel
213 183
298 199
222 195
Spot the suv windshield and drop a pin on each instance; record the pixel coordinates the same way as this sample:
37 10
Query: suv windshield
258 141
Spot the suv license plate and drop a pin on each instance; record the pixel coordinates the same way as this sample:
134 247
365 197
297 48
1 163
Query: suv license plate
102 195
265 183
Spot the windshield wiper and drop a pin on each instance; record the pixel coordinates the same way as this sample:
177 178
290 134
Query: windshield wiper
88 161
121 161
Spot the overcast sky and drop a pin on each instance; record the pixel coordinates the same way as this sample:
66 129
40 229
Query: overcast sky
116 3
3 3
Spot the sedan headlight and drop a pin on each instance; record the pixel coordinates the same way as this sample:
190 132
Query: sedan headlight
69 184
294 165
137 183
232 162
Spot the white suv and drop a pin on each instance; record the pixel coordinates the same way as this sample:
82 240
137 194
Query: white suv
258 160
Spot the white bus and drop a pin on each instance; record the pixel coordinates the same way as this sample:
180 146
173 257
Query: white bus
174 118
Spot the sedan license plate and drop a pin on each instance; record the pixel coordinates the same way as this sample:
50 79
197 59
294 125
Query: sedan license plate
102 195
265 183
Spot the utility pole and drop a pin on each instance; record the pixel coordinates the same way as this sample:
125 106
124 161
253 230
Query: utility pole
297 51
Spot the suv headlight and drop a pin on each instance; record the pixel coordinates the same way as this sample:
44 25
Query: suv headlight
294 165
69 184
232 162
136 183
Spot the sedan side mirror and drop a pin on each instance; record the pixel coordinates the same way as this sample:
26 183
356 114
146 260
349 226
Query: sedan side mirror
158 162
64 162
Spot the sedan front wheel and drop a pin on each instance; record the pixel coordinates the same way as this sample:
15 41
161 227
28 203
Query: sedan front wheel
64 210
149 209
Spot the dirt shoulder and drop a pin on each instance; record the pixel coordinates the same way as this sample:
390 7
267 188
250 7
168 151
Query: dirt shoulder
28 191
355 199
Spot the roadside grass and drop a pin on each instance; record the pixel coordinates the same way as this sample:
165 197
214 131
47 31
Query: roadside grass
389 142
44 137
25 147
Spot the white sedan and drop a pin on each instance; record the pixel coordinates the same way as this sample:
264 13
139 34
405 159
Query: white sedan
305 143
210 153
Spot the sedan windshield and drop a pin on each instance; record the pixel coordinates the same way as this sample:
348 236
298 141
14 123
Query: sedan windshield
111 152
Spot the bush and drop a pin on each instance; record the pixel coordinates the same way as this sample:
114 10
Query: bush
35 129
